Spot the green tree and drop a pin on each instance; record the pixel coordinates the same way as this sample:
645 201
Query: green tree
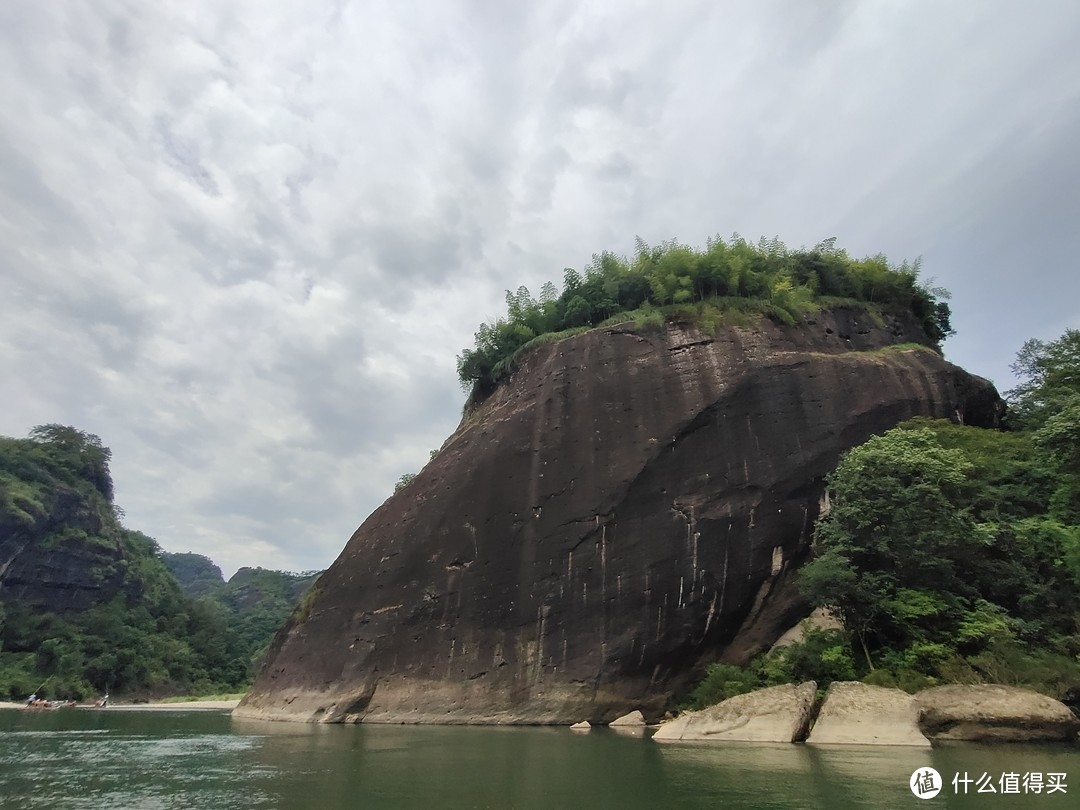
894 528
1049 375
723 681
83 452
823 656
1058 439
578 312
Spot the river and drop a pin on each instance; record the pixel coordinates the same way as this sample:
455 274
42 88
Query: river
75 758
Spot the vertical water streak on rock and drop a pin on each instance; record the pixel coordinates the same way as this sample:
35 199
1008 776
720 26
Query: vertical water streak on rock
709 616
724 569
694 559
603 561
541 632
750 543
603 602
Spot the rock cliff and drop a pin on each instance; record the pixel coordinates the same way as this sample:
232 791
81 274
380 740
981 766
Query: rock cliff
630 506
64 558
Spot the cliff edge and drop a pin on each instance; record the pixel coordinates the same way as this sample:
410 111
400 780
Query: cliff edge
629 506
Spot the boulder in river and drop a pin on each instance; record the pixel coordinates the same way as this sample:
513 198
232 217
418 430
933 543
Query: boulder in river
860 714
993 713
633 720
777 714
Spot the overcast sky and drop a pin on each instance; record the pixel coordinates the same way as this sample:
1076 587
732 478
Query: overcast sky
243 242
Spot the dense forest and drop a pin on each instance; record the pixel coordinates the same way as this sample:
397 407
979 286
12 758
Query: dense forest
950 554
257 601
88 605
726 280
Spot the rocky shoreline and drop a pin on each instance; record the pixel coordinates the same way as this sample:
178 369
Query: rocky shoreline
854 713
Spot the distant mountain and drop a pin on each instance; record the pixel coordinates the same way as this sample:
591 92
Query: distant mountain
257 600
196 574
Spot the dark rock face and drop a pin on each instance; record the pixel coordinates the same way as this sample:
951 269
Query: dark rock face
631 506
50 563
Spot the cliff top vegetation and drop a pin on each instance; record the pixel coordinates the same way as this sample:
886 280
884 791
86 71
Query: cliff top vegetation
674 279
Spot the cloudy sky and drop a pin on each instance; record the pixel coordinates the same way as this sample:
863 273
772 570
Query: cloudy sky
243 242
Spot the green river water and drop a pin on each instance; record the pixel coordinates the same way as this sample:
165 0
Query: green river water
75 758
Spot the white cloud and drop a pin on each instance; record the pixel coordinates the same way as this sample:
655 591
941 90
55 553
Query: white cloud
243 242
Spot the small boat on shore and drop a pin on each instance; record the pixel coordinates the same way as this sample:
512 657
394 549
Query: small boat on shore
41 703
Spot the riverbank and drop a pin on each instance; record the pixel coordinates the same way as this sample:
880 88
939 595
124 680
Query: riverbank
177 706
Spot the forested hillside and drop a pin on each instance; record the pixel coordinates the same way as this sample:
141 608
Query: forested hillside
952 553
725 280
88 605
258 600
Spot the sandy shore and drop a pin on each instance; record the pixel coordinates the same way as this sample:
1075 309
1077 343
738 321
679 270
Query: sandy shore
188 705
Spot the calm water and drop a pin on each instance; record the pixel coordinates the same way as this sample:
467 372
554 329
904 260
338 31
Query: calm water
87 759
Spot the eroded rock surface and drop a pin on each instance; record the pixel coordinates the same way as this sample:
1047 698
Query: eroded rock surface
859 714
42 566
633 720
993 713
629 507
819 619
777 714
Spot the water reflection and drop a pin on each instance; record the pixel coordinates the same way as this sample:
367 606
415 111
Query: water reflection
200 760
397 766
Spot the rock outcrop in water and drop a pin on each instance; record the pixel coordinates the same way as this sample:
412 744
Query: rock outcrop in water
776 714
861 714
993 713
630 506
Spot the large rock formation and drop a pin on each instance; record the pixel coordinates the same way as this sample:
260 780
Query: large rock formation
631 505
